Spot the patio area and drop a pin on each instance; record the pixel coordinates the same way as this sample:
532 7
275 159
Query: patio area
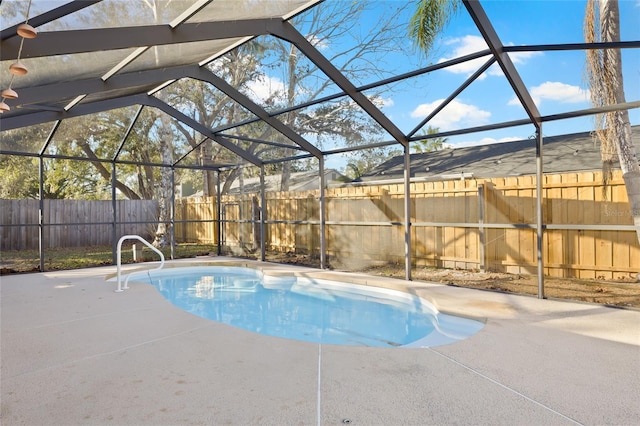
74 352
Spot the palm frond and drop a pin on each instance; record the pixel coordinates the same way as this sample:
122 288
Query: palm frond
428 21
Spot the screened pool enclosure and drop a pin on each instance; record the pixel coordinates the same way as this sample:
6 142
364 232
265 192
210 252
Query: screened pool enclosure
249 127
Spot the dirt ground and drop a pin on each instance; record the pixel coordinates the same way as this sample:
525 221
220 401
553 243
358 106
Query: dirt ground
613 293
619 293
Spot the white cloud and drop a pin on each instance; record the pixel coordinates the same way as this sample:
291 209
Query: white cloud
471 44
522 57
455 115
381 102
265 87
464 46
317 42
557 92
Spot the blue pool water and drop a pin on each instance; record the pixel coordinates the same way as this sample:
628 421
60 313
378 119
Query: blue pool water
305 309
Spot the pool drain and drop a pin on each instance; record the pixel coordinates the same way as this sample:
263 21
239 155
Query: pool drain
346 421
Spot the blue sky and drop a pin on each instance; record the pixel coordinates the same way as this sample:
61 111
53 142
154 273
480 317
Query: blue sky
556 80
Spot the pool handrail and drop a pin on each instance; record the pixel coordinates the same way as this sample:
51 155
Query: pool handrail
119 261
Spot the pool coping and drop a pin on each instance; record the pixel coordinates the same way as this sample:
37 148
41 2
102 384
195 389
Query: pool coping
477 304
380 288
274 269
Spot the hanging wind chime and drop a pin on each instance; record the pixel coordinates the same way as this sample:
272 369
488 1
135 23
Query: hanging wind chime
18 68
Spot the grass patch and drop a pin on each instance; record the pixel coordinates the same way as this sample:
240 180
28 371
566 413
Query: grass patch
18 261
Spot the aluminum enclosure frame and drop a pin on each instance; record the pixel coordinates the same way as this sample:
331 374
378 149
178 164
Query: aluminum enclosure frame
34 99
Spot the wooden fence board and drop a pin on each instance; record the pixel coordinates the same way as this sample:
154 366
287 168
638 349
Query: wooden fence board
571 198
69 223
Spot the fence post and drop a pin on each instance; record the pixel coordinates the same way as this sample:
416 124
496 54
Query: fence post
482 236
256 241
182 217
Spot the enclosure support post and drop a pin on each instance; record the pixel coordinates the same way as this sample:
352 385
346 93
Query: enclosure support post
539 218
241 210
323 242
172 213
41 212
218 210
407 212
481 232
114 234
53 131
263 212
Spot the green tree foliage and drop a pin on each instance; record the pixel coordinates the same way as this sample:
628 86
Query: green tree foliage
19 175
368 159
430 144
19 178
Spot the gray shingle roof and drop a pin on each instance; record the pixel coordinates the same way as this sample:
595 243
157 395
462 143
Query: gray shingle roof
299 181
563 153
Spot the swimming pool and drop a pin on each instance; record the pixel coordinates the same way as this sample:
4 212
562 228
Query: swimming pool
313 310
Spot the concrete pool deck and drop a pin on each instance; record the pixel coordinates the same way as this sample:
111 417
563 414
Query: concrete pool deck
74 352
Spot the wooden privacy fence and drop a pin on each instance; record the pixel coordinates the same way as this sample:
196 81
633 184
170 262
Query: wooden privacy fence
201 211
468 224
73 223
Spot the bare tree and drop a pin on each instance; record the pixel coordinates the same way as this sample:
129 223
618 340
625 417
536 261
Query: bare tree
303 82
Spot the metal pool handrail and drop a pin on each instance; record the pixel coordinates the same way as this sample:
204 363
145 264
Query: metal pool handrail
139 238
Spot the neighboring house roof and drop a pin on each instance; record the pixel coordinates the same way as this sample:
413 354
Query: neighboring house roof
299 181
564 153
